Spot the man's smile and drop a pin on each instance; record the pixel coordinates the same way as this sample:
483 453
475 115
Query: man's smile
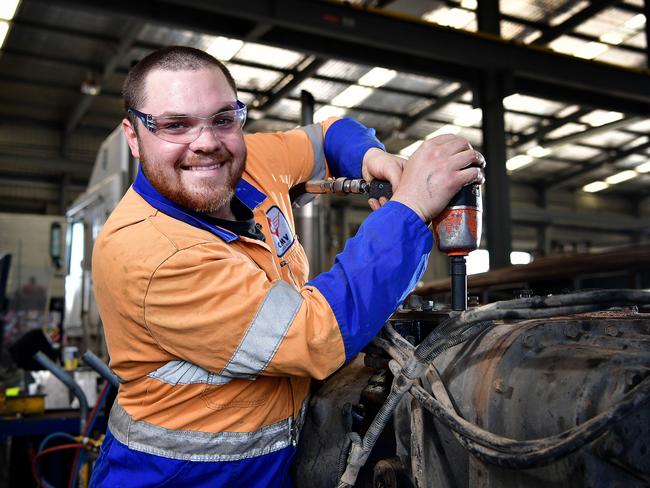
203 167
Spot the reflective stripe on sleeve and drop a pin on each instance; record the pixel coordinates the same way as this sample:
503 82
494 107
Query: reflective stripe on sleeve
315 134
265 333
201 446
256 349
186 373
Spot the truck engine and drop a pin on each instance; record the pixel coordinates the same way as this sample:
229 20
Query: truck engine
542 391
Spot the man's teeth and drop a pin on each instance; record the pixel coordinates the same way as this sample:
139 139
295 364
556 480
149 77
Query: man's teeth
205 168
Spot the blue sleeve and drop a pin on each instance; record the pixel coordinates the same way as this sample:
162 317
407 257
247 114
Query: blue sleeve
375 272
346 142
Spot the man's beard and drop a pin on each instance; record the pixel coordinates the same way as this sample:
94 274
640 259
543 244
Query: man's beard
203 196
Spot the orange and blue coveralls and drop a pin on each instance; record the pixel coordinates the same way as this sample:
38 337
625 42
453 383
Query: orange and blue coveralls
216 335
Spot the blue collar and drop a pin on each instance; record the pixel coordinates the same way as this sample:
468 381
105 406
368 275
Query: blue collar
247 194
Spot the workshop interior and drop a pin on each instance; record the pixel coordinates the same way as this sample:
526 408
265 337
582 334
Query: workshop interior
520 359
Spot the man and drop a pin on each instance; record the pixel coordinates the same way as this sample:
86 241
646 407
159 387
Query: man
200 279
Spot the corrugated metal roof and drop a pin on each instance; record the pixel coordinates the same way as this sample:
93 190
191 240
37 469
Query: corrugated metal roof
53 48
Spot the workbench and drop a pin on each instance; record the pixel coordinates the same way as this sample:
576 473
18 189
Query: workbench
20 433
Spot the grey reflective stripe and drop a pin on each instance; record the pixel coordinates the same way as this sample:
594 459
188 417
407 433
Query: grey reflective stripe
185 373
265 333
300 422
315 134
255 351
191 445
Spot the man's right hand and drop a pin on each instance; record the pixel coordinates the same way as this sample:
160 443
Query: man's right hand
436 172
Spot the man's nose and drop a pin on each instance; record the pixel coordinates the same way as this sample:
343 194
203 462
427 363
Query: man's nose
206 141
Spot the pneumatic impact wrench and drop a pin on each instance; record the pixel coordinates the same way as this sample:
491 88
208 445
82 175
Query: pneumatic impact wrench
457 229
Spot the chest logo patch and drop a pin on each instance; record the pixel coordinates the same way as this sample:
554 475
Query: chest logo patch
280 230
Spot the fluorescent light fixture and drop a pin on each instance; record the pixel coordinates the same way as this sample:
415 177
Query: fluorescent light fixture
538 152
454 17
636 22
635 158
638 140
469 118
590 50
595 186
4 28
377 77
520 257
327 111
410 149
568 110
352 96
91 85
518 162
224 48
531 37
601 117
612 38
469 4
254 114
478 261
459 18
445 129
512 102
8 9
558 19
436 16
643 168
282 58
628 174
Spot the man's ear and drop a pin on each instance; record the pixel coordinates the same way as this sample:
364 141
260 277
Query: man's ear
131 137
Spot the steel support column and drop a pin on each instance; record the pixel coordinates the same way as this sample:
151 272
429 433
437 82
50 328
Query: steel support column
646 11
497 193
63 190
543 229
309 220
490 93
488 16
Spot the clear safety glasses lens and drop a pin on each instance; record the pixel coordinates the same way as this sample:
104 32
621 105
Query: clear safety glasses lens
185 129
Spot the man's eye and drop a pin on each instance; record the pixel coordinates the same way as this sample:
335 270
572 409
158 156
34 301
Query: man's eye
223 121
176 125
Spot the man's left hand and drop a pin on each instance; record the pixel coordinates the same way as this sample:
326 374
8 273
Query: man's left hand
380 165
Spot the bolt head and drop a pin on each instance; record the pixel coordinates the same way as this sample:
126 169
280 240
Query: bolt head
571 331
499 385
529 341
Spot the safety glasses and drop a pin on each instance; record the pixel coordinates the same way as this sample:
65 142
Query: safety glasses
185 129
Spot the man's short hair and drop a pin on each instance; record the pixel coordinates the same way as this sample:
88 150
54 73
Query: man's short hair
171 58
